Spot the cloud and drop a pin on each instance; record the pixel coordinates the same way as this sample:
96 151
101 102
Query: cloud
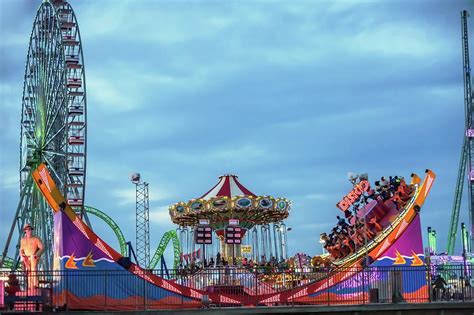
165 30
9 180
316 226
161 217
290 96
125 196
109 95
394 39
317 196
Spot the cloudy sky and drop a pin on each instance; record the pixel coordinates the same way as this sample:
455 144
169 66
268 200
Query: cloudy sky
289 95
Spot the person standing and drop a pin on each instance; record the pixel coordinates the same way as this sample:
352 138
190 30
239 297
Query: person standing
439 285
31 249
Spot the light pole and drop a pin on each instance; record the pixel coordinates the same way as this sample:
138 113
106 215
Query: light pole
142 220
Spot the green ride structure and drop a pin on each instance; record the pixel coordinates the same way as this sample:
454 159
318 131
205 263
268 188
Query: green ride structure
165 240
466 162
169 236
111 223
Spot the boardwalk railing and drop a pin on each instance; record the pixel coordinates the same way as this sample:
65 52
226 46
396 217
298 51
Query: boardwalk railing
120 289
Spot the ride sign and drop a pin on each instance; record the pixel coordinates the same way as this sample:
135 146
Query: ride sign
203 234
233 234
234 222
203 221
246 249
354 195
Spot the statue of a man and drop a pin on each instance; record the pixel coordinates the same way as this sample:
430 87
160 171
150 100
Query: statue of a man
31 249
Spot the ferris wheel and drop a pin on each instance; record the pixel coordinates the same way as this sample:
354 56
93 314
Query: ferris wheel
53 121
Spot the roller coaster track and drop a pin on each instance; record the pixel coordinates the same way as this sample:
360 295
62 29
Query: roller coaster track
167 237
118 232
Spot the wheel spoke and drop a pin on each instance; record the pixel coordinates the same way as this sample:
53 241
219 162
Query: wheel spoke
54 153
54 86
52 118
48 141
32 137
53 170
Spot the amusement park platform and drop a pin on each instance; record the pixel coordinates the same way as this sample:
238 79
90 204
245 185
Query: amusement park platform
434 308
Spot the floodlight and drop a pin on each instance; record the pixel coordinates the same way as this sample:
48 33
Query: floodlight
135 178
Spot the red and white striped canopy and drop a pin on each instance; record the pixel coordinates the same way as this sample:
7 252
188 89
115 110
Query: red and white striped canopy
228 186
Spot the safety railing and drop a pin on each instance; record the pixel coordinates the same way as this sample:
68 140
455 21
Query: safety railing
233 286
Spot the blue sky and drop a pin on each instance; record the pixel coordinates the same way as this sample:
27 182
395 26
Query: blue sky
289 95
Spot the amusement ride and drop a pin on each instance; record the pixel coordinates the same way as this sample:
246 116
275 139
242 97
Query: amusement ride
261 219
379 225
467 153
466 164
53 122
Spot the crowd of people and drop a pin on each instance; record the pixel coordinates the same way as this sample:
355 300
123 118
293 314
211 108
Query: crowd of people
265 266
354 230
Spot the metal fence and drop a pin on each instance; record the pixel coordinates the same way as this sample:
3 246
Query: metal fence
121 289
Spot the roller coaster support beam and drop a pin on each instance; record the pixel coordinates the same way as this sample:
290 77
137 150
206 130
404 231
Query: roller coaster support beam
453 226
131 252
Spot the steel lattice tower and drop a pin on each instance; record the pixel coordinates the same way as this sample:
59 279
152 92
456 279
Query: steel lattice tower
466 163
469 122
142 224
